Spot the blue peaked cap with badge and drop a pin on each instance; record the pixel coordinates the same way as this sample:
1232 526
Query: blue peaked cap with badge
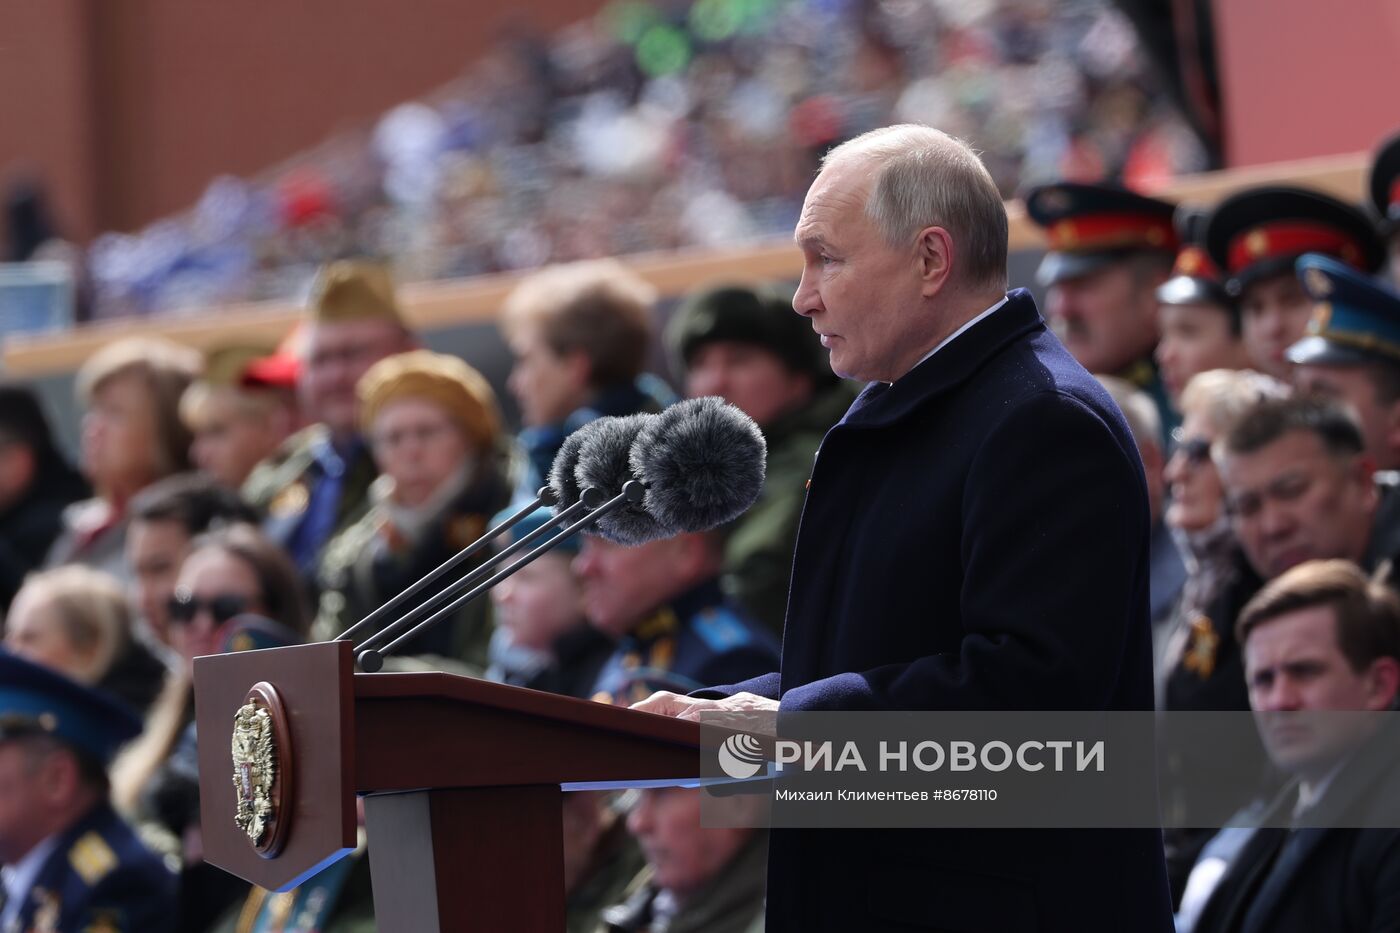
36 699
1355 320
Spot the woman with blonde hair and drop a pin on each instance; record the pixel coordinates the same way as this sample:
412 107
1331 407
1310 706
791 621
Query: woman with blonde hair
77 621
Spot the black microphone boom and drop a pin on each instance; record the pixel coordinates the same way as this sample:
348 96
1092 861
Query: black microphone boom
372 659
545 497
589 499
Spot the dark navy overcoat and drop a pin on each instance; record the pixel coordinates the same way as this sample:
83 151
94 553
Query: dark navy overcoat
975 537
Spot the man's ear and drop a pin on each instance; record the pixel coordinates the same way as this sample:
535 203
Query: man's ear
935 255
1384 683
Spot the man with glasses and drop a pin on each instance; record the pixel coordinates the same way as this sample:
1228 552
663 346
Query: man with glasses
318 483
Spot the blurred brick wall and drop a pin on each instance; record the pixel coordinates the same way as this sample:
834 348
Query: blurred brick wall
128 107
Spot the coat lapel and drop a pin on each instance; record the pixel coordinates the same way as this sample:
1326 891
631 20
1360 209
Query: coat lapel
882 404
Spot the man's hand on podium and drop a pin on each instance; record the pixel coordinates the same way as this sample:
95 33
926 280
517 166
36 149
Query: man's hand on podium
665 703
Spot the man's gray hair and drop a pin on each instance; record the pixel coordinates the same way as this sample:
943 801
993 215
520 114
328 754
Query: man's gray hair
926 178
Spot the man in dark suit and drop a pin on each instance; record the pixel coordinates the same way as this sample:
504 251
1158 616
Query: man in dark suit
1318 640
975 537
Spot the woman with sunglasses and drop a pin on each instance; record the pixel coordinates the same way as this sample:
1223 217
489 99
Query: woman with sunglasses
1200 665
232 576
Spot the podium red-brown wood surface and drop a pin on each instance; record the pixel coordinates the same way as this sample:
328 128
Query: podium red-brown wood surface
462 782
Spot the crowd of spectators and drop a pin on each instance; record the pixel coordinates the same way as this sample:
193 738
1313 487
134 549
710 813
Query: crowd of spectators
657 126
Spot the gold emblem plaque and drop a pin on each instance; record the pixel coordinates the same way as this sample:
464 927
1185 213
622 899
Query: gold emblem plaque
262 769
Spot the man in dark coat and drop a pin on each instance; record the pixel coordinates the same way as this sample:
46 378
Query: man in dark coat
975 538
1319 640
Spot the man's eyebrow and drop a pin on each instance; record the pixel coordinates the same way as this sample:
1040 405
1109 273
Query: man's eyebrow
806 238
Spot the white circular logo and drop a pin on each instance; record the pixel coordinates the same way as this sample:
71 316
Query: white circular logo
741 756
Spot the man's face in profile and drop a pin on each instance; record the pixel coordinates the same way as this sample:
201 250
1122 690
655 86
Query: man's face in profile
1292 501
861 294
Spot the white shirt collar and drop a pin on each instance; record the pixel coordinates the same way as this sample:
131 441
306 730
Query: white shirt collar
959 332
19 878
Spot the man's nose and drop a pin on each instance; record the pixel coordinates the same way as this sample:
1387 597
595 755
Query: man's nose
807 299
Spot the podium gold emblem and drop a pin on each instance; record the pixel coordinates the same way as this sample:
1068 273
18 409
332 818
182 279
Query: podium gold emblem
254 769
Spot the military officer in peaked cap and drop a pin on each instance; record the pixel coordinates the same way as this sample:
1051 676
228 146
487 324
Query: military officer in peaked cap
70 864
1256 236
1109 250
1198 320
1352 352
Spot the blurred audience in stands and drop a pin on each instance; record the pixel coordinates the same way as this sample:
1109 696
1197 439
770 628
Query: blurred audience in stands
236 590
580 335
36 485
70 862
317 483
165 518
76 620
131 436
235 425
675 630
542 640
434 430
1198 321
657 126
699 879
747 346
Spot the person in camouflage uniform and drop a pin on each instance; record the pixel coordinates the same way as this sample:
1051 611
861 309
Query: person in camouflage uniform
749 347
317 483
433 427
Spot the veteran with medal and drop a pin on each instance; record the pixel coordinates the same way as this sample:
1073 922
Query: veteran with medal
317 483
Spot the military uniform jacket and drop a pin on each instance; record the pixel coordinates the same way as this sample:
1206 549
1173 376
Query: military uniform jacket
281 487
100 879
758 551
368 564
697 638
975 537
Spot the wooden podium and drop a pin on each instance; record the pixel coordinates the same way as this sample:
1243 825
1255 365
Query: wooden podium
462 781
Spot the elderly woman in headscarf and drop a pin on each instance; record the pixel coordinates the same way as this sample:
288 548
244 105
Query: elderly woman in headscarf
435 432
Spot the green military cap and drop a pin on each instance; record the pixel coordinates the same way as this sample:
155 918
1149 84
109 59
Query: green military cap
746 315
228 365
354 290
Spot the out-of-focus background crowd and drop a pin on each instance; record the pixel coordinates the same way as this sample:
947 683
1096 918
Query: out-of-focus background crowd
269 486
